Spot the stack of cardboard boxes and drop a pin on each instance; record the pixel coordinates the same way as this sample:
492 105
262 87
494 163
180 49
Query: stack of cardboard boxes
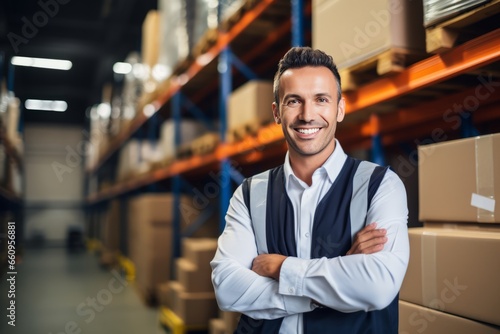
452 282
191 297
150 238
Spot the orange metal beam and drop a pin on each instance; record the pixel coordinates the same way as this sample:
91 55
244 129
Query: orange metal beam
466 57
442 108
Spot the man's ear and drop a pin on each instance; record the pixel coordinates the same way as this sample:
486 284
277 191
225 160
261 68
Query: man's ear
276 113
341 110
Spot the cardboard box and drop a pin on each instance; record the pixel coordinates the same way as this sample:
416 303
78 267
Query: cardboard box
151 39
192 278
230 319
464 226
454 271
416 319
163 290
111 227
199 251
159 207
189 129
250 104
217 326
459 180
356 35
195 309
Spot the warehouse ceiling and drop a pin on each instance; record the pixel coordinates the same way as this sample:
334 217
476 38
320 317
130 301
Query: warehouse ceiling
92 34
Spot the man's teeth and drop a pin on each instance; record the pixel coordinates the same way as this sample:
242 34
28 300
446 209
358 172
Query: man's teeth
308 131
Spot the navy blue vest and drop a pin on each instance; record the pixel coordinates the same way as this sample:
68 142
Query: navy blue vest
331 223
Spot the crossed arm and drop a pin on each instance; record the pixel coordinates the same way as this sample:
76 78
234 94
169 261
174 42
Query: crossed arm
367 241
270 286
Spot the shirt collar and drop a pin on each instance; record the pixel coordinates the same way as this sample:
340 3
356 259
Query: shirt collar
332 165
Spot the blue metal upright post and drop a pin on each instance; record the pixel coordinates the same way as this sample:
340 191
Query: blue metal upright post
176 181
242 67
377 151
297 22
152 135
225 82
196 112
467 128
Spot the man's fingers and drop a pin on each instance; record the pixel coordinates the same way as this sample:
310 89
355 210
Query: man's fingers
369 240
367 229
371 234
372 249
364 245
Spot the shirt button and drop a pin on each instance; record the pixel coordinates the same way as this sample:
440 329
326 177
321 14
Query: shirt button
307 235
290 290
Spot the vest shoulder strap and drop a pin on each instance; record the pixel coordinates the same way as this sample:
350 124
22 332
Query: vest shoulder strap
365 185
255 198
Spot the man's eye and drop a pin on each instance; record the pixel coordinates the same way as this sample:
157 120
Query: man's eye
322 100
291 102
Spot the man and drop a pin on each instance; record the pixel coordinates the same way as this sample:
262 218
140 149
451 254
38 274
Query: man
301 252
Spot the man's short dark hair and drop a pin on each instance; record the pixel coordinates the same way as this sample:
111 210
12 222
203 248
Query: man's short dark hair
302 56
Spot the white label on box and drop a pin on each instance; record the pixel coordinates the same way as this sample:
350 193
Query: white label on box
483 202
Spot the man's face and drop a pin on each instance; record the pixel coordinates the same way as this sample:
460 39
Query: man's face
308 111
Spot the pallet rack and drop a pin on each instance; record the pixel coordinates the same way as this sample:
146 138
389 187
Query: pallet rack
387 111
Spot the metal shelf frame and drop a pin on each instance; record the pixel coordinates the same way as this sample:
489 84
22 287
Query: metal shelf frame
467 57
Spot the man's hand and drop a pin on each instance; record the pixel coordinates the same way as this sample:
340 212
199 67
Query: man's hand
268 265
369 240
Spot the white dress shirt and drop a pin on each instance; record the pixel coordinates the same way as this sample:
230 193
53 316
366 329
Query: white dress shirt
347 283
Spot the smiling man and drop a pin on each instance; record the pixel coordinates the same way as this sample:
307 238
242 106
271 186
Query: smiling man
320 243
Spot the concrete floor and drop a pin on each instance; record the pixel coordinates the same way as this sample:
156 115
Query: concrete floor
68 293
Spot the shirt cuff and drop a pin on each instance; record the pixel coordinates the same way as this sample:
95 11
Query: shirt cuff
290 285
292 273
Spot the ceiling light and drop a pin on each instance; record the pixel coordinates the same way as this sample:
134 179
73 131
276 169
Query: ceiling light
122 68
53 64
46 105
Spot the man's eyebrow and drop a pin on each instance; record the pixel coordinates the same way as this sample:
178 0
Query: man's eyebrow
287 96
323 94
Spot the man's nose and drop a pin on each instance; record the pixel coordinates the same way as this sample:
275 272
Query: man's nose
307 112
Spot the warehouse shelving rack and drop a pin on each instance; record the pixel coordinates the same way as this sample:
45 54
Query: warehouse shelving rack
10 202
419 78
385 112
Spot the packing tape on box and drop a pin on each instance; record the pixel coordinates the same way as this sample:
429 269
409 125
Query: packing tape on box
429 268
484 198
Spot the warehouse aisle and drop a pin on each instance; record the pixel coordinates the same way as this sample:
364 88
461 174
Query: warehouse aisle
59 292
